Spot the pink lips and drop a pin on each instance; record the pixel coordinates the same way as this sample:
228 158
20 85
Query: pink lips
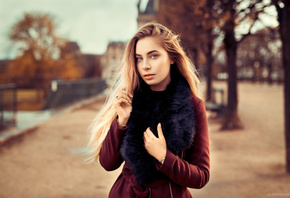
148 76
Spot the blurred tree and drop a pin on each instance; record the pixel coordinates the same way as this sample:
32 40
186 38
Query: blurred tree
236 14
178 16
20 71
199 21
208 25
259 56
194 21
39 62
181 16
68 68
283 9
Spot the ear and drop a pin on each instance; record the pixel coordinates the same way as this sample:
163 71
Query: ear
171 61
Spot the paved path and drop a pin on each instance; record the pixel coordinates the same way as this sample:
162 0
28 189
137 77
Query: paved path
49 161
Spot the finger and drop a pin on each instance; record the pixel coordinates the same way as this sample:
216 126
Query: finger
119 103
146 136
159 131
122 100
125 96
150 133
131 96
127 93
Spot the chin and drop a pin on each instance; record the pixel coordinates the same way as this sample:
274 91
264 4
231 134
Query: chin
149 82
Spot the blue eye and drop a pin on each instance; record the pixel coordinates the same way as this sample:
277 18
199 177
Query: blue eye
154 56
139 59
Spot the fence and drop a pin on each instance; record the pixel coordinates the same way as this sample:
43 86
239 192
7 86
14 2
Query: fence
66 92
8 105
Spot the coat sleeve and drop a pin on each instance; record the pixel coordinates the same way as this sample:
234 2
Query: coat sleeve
193 171
110 156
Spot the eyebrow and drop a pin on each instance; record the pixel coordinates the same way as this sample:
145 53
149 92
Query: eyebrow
153 51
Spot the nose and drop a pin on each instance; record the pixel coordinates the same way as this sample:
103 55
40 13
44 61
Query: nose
145 65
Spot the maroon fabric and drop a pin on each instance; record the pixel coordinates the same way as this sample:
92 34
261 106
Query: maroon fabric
190 171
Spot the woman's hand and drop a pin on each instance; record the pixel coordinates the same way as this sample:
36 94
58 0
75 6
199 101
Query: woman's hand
156 147
123 106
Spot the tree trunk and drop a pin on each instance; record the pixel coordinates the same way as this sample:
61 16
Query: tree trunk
231 118
270 71
209 96
284 21
194 57
209 58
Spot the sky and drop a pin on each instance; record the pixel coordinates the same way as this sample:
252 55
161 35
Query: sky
91 23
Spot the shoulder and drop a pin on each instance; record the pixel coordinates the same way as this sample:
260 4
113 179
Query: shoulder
198 105
196 101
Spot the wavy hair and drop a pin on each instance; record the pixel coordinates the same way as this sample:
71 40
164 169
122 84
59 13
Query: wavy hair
127 78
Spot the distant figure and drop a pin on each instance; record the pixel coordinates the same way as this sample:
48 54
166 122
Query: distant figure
153 120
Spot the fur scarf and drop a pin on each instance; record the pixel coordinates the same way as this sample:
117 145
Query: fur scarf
173 109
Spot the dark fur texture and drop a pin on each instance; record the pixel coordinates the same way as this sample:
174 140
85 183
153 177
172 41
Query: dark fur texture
173 109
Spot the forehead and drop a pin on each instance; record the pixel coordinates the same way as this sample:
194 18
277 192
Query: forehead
147 44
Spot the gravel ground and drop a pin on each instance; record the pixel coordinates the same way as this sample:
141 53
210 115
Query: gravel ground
49 160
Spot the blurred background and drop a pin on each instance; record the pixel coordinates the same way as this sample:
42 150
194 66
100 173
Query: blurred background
57 59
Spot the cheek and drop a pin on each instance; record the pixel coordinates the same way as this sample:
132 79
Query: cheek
166 72
164 67
139 68
140 71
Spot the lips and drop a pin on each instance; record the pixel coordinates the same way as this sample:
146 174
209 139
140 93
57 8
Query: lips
148 76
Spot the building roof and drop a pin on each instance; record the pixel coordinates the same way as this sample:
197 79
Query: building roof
150 8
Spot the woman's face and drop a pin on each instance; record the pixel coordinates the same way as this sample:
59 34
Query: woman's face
153 63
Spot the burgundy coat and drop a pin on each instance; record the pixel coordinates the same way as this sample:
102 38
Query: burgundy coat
191 171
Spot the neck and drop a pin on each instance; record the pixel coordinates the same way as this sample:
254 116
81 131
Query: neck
162 85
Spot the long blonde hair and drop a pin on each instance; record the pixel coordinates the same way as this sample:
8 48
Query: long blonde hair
127 78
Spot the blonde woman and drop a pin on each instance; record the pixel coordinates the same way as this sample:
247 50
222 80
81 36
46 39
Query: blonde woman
153 120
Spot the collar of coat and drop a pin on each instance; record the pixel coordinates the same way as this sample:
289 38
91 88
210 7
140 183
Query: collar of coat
173 109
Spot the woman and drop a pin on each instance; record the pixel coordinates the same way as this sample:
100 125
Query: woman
153 120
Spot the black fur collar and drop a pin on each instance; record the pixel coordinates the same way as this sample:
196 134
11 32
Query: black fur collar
173 109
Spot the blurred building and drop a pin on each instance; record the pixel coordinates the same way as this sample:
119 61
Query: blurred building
90 63
70 47
111 59
149 14
3 65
